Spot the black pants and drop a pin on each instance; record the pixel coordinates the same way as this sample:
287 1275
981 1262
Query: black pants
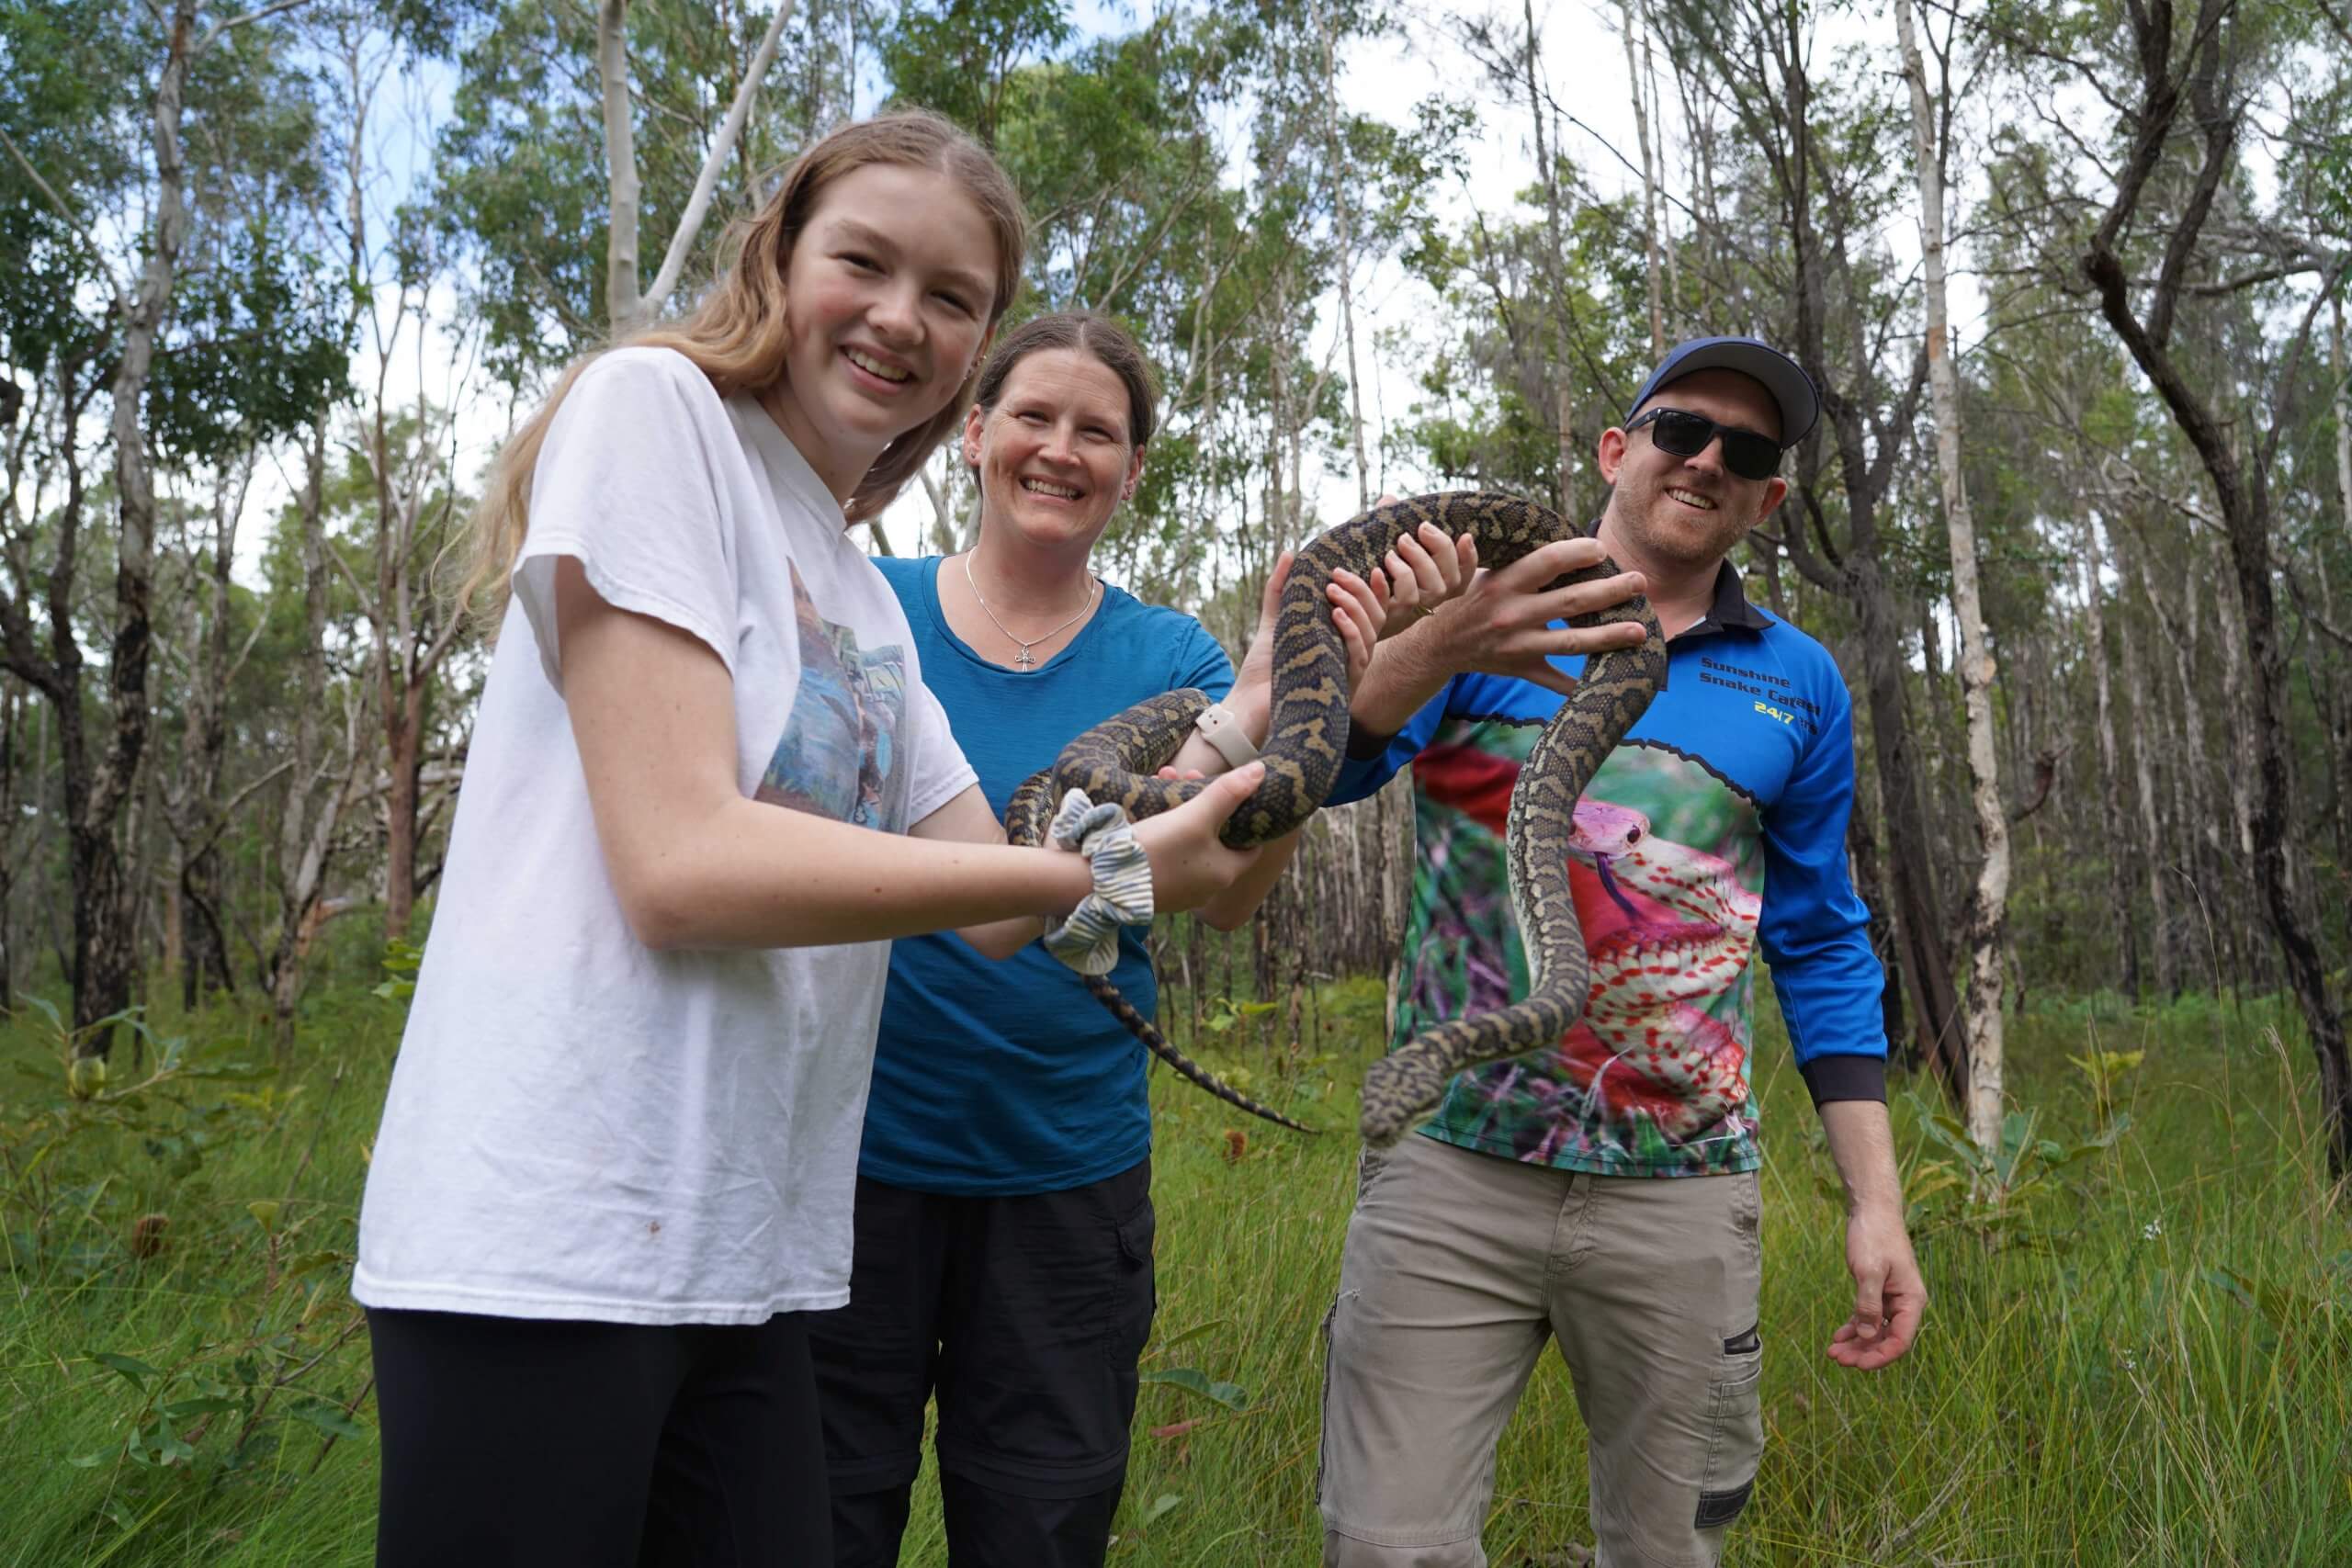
1026 1315
520 1442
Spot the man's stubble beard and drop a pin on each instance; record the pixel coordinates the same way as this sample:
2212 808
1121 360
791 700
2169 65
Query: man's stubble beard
1667 531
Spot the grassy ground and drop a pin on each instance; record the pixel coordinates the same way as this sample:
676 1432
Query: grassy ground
2145 1356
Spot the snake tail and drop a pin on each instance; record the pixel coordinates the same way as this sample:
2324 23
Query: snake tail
1193 1072
1105 761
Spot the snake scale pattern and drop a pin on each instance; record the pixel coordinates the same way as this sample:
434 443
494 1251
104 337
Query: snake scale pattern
1306 743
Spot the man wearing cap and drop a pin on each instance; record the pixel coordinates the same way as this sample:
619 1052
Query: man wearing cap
1601 1193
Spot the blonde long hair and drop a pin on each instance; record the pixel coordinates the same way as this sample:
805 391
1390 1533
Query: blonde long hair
738 334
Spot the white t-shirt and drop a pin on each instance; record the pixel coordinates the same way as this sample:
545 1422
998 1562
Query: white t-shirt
578 1126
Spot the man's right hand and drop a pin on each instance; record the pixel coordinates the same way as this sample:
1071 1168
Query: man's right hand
1501 624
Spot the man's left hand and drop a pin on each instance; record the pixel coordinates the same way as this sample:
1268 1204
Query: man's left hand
1889 1295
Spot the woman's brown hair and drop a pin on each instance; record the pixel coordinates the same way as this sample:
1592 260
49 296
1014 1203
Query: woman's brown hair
738 335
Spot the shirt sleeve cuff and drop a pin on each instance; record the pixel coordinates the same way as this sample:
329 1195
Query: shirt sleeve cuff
1364 745
1845 1077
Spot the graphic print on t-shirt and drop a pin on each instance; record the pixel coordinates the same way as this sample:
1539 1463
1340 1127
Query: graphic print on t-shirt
1667 880
838 754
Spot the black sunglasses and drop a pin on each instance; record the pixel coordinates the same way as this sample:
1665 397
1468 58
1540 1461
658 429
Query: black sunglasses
1745 453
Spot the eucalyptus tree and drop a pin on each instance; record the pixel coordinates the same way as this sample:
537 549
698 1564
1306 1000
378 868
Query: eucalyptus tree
1983 930
524 181
1551 341
1810 152
1196 178
2214 292
152 273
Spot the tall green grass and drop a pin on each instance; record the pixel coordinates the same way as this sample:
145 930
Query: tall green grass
2142 1356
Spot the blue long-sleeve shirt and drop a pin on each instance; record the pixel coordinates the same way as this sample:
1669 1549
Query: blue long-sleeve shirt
1716 828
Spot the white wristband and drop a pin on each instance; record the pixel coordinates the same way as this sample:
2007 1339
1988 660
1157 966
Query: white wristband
1221 727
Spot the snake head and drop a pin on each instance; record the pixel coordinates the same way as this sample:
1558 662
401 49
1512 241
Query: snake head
1600 830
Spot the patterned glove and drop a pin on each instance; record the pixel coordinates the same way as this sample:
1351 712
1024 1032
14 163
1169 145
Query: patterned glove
1088 941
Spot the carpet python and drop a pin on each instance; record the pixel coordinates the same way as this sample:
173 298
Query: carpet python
1307 742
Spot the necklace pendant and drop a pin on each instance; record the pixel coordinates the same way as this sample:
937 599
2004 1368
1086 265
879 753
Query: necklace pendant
1025 660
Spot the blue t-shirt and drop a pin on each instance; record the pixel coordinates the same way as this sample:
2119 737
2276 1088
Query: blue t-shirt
1004 1077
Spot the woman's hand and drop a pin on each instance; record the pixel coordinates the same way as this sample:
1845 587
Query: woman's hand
1423 572
1364 611
1189 865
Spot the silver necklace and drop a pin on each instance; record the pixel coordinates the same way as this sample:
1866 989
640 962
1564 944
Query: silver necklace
1025 660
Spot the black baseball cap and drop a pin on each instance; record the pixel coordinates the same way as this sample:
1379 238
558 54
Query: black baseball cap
1780 376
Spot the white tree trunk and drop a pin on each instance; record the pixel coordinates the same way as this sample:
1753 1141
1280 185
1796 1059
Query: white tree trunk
1344 216
1988 910
2344 489
2117 845
1657 174
1649 180
2343 422
2146 726
622 299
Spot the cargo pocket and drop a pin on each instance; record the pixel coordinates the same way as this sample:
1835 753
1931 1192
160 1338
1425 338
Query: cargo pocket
1138 1292
1735 1433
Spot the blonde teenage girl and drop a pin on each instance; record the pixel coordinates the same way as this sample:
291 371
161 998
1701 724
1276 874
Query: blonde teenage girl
707 785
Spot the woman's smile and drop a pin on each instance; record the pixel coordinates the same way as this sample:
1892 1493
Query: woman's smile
1054 453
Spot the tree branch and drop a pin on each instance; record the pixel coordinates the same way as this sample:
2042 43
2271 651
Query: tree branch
271 9
2045 772
221 819
682 241
89 241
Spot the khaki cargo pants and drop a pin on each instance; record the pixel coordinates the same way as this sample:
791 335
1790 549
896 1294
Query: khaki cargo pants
1459 1267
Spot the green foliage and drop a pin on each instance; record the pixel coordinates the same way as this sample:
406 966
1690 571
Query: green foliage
1223 1012
193 1390
958 56
520 191
261 350
1998 1194
254 344
1191 1380
2105 1071
178 1247
401 964
64 67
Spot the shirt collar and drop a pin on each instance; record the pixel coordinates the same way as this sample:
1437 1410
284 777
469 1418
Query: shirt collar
1731 607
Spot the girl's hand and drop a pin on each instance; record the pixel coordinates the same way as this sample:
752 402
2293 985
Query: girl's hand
1360 609
1189 865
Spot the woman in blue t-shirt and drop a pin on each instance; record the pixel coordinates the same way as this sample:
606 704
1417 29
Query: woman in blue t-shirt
1004 1220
